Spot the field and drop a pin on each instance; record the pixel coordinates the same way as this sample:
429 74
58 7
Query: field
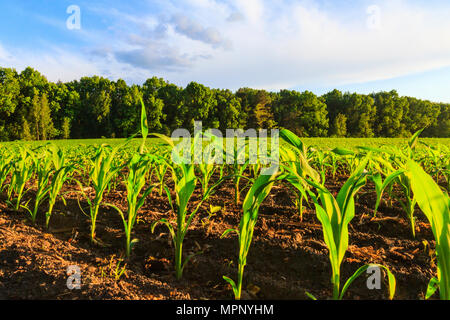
321 143
78 203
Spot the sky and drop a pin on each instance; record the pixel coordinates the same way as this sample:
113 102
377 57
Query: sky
317 45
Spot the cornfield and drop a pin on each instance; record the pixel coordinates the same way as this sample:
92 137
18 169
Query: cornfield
410 182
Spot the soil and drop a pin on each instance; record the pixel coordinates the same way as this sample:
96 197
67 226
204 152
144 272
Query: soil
287 258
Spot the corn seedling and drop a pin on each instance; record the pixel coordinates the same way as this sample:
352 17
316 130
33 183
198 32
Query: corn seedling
138 168
160 170
255 196
43 167
22 172
238 166
335 214
295 158
435 204
183 176
380 185
61 174
102 172
5 167
184 184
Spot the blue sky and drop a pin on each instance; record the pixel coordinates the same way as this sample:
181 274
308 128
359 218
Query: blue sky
316 45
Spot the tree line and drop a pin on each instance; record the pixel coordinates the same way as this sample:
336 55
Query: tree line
33 108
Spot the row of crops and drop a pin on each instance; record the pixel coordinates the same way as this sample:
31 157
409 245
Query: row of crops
421 172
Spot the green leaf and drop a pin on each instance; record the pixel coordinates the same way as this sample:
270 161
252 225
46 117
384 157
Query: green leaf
233 285
310 295
343 152
433 285
144 122
226 232
292 139
391 279
413 140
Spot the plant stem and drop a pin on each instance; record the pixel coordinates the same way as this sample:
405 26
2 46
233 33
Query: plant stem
239 284
336 287
94 219
128 244
236 192
179 258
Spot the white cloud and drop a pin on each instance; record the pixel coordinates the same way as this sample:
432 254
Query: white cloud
289 44
55 63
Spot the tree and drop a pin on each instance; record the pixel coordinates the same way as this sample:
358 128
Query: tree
9 95
26 134
360 111
228 112
335 105
45 119
154 113
154 104
198 103
65 128
313 120
173 99
40 118
34 116
442 128
340 125
93 112
390 112
33 108
125 106
421 114
286 108
263 115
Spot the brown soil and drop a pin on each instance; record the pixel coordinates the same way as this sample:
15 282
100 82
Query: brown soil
288 255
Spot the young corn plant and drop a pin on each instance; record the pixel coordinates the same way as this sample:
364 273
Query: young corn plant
435 204
209 166
335 214
160 170
5 167
184 179
436 160
102 172
255 196
397 176
332 161
238 169
296 159
410 201
183 176
135 182
62 172
382 167
207 169
43 167
23 169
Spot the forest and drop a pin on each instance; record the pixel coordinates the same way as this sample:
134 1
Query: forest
33 108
